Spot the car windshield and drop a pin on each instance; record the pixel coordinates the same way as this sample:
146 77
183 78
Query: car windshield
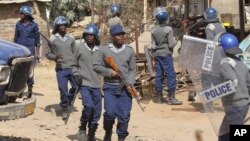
248 50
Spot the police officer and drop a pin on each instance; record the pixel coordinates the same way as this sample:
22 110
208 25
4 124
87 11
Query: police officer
117 102
27 34
214 26
116 13
61 50
235 105
162 44
90 86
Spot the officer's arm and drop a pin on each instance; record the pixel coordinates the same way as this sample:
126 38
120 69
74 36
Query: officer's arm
50 55
73 45
98 65
228 73
37 36
153 45
16 34
75 66
37 41
171 40
248 83
132 69
209 32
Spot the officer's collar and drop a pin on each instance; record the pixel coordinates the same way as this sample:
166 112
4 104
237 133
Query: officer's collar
95 48
58 35
116 50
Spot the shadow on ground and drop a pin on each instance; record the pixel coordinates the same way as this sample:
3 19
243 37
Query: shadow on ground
57 109
74 137
11 138
197 107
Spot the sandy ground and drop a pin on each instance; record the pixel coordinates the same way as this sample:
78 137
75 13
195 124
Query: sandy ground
158 122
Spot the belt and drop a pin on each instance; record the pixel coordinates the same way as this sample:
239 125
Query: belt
111 80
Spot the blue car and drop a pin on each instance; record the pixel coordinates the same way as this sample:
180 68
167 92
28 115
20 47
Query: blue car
245 47
15 69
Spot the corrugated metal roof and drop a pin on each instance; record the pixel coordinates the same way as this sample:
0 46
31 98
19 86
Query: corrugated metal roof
20 1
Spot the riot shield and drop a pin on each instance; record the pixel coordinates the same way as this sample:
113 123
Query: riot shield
202 59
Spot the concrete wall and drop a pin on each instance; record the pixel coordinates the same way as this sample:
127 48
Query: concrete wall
228 6
9 18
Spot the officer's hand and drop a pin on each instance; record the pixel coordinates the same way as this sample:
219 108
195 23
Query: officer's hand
129 88
114 73
78 79
59 57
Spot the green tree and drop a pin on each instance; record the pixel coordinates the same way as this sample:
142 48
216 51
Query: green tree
74 10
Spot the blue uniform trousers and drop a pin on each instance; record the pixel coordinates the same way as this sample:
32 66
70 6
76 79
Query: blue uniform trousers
233 116
92 102
165 66
63 77
30 80
117 106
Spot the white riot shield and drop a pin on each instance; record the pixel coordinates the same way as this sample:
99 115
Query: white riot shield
202 59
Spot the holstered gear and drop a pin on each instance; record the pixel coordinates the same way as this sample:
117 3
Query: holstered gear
119 88
91 134
108 126
172 100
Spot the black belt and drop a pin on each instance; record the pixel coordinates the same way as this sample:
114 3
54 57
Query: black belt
111 80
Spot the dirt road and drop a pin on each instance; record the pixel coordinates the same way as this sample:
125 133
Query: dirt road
157 123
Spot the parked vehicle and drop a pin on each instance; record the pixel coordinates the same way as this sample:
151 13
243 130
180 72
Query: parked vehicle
15 69
245 47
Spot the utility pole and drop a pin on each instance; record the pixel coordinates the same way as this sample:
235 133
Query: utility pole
145 7
92 11
242 24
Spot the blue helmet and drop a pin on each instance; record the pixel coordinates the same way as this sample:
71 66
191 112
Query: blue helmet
210 14
229 43
60 20
115 8
161 14
26 10
116 29
91 29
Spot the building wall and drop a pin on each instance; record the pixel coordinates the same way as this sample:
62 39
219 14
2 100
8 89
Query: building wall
9 18
228 6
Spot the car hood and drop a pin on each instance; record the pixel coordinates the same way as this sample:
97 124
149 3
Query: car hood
9 50
245 44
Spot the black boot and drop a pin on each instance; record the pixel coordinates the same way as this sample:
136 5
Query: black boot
29 91
121 138
108 125
91 134
107 136
172 100
159 98
82 136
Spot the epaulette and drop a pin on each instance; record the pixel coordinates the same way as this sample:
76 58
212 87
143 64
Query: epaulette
229 61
